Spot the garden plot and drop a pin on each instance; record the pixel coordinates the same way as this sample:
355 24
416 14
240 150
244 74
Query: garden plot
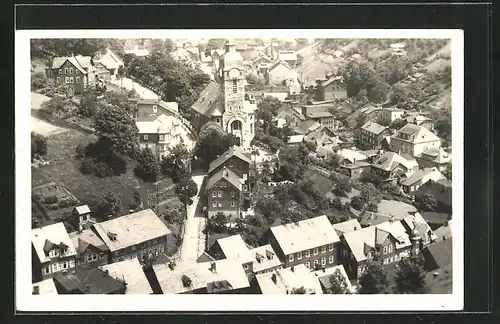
53 202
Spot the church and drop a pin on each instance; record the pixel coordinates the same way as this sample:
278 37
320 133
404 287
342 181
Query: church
223 100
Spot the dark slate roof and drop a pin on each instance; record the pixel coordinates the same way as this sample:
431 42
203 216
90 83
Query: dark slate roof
218 286
233 151
435 218
93 281
209 99
438 255
226 174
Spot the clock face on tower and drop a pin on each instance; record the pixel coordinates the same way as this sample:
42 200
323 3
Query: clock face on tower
234 73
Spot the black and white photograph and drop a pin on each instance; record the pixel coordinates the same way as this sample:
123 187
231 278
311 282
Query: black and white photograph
258 164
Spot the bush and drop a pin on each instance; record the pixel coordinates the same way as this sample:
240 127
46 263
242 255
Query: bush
102 170
79 151
38 145
38 81
87 166
54 207
50 200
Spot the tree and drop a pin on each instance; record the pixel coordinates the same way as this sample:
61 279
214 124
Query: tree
343 188
293 162
428 202
110 205
61 108
185 190
357 75
333 161
115 124
378 91
267 109
217 224
398 95
147 167
369 192
256 82
68 46
338 282
211 143
372 207
38 145
357 202
88 105
410 276
443 128
371 177
161 45
215 43
136 201
176 164
373 280
38 81
398 123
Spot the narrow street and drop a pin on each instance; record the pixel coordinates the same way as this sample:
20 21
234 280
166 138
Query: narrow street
129 84
193 243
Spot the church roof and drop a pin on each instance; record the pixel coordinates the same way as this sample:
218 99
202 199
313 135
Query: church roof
208 102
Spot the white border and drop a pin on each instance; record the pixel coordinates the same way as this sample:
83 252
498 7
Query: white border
25 301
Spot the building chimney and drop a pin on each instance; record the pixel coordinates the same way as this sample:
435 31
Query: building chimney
213 267
391 220
273 278
323 268
36 290
292 269
444 238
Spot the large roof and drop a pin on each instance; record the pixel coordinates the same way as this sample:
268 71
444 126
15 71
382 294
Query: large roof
389 160
232 151
373 127
92 281
417 221
288 279
234 247
332 79
201 275
423 176
304 235
439 255
278 63
79 62
47 237
347 226
264 258
81 240
307 126
209 100
226 174
352 155
325 275
130 271
416 134
110 60
161 125
287 55
131 229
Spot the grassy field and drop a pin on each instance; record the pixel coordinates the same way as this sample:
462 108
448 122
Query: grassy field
63 169
437 65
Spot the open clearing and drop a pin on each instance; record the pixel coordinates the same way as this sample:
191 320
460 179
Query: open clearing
438 65
40 126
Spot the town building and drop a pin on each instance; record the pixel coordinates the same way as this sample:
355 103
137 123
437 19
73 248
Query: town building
293 280
44 287
295 140
90 249
312 242
416 221
355 170
289 57
235 159
149 109
331 89
390 166
136 51
261 64
76 72
132 273
420 177
387 242
225 192
111 61
418 119
89 282
279 72
218 277
387 116
413 139
324 118
162 134
438 257
139 235
52 251
223 102
307 126
433 157
347 226
371 134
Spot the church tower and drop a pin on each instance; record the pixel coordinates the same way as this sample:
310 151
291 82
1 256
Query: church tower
238 116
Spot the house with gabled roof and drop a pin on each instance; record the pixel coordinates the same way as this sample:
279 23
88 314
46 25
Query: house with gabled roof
420 177
387 242
347 226
261 64
76 72
279 72
90 249
132 273
413 139
140 235
89 282
225 192
417 222
234 159
311 242
290 57
390 165
288 280
372 134
111 61
435 157
330 89
52 251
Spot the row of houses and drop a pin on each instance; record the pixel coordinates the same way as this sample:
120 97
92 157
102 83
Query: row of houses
101 257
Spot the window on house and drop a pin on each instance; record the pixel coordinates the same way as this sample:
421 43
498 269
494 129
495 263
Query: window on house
308 253
246 266
245 188
214 204
291 258
160 249
77 79
218 120
233 203
323 249
323 261
47 270
299 255
232 194
316 251
385 249
308 265
70 70
60 71
145 137
58 80
65 70
65 265
390 248
330 259
155 109
162 137
219 203
66 79
316 262
71 80
235 86
220 194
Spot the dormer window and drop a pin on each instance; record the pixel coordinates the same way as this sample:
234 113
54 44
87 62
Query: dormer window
155 109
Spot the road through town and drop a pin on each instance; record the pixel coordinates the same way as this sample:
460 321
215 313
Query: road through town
193 243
